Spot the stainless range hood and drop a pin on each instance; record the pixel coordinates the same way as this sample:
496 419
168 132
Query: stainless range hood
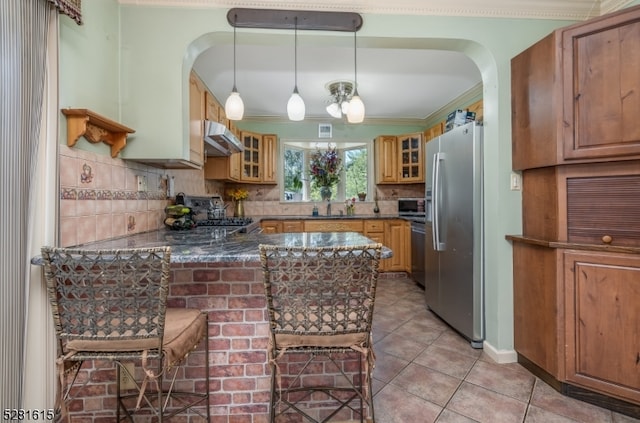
219 141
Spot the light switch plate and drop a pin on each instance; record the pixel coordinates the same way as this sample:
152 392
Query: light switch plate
516 181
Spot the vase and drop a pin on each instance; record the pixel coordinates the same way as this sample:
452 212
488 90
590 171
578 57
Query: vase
239 209
325 193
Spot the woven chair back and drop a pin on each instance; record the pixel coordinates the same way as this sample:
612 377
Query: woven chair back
320 290
109 295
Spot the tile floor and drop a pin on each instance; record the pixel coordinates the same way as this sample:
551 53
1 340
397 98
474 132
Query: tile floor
425 372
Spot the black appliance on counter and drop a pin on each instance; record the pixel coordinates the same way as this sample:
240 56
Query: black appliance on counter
211 211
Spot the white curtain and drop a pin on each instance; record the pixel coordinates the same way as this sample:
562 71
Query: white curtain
24 31
40 351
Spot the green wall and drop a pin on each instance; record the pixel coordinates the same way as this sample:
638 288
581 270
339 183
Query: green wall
132 64
89 76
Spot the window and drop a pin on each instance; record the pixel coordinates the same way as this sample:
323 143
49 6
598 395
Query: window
357 165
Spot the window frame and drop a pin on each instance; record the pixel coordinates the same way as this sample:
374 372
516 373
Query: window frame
308 146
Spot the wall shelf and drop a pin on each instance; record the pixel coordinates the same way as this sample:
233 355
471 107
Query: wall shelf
95 128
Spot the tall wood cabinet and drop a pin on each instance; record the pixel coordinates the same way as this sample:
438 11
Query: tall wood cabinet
576 94
399 158
577 262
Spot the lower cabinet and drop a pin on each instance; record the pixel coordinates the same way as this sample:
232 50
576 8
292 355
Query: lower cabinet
393 233
576 319
397 236
602 322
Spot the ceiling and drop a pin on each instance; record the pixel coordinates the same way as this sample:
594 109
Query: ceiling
394 83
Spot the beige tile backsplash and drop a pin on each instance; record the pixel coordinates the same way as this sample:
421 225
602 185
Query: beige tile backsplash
99 197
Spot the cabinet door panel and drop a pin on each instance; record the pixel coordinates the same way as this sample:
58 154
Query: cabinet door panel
386 159
602 324
602 89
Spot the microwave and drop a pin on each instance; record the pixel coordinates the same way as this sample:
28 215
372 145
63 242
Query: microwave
411 207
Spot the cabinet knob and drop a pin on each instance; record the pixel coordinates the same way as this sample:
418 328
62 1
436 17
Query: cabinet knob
607 239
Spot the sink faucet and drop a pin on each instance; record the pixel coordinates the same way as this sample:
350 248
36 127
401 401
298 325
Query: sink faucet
328 208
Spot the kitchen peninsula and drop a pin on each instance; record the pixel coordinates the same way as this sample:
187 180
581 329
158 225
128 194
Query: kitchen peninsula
220 274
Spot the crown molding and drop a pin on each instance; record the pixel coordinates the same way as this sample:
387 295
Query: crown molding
577 10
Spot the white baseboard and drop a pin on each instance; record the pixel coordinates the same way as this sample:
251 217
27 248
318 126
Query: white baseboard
499 356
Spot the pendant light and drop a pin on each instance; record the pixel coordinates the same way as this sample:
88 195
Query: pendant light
234 107
355 113
295 106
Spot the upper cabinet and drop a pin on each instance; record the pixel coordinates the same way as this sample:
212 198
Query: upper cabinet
399 159
256 164
577 94
197 98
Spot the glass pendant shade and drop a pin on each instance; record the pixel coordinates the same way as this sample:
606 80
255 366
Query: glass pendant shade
234 106
334 110
295 106
356 109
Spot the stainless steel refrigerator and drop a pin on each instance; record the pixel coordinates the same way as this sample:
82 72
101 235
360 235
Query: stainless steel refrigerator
454 280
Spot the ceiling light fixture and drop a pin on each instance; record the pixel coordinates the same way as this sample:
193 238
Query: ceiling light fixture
295 106
341 92
234 106
355 114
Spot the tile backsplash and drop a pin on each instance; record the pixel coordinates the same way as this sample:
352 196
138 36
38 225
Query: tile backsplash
99 196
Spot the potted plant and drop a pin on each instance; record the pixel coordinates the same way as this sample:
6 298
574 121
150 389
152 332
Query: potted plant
362 196
296 185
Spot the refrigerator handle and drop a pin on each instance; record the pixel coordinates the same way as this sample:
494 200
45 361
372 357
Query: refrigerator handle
435 178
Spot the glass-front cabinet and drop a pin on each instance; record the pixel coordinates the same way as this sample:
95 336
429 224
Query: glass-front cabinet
411 168
251 157
399 158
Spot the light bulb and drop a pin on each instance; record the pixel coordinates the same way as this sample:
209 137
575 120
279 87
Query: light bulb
295 106
356 110
234 106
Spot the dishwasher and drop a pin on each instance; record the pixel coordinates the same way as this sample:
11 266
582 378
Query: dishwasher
417 251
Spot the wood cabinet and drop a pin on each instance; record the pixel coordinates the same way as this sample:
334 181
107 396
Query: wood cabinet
434 132
269 157
577 264
293 226
393 233
333 225
576 94
596 204
397 236
256 164
197 98
271 226
386 159
602 352
398 159
374 230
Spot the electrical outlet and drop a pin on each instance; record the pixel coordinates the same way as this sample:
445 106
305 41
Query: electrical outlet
126 376
142 182
516 181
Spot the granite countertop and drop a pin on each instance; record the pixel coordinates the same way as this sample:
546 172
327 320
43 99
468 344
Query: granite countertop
334 216
205 245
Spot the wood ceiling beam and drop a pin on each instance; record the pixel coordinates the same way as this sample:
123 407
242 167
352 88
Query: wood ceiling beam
285 19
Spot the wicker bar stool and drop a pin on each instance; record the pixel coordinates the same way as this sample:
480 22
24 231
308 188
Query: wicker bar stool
320 303
112 305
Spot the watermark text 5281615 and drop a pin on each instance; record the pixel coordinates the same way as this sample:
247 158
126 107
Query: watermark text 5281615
27 414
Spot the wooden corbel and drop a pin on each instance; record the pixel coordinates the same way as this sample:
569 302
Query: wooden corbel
95 128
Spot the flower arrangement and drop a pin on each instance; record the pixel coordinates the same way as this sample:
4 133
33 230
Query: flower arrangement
325 167
350 205
239 194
